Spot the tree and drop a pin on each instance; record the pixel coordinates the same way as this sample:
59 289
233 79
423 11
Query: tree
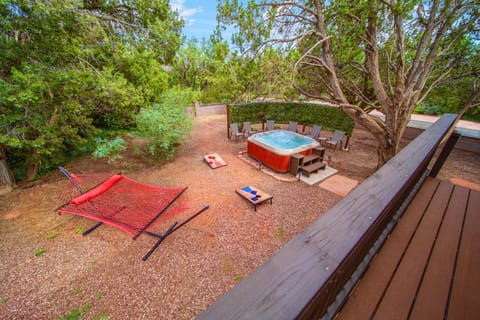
220 72
224 75
458 92
6 175
363 55
274 74
189 65
70 67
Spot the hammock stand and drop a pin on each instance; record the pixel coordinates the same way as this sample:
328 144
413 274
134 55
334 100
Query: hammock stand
90 205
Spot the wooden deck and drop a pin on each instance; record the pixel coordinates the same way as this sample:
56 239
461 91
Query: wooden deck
429 266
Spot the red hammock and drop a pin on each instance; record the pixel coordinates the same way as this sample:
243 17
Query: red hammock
123 203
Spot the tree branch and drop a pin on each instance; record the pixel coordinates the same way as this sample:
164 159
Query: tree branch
424 42
371 53
373 123
425 69
286 4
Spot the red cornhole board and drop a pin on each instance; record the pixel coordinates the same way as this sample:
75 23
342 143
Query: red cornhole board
214 160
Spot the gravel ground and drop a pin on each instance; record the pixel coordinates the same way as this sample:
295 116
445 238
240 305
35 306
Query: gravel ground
103 275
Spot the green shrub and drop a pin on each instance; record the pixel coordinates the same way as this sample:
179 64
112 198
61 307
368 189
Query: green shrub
109 148
473 114
165 123
329 117
429 108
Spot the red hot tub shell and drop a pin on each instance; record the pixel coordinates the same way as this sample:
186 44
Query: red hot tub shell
274 158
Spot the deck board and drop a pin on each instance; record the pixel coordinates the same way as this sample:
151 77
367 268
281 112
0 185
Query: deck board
383 266
432 297
412 275
401 291
465 297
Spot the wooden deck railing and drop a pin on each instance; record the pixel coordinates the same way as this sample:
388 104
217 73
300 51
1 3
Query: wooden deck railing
313 271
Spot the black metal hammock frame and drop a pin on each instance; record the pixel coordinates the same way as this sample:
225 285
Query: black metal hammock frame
125 204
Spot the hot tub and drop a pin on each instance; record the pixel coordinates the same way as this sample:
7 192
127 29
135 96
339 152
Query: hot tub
275 148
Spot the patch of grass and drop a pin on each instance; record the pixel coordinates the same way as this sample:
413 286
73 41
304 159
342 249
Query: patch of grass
52 235
280 233
99 295
101 316
4 300
238 278
94 261
39 252
77 291
76 314
79 230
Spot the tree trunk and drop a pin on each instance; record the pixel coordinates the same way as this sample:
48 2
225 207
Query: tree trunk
387 144
7 180
390 139
385 152
32 165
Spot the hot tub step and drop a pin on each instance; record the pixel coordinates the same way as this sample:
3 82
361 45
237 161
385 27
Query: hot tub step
310 159
311 168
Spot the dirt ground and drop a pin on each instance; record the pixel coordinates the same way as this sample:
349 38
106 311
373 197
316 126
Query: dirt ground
102 275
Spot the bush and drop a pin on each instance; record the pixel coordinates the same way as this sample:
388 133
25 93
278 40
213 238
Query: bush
473 114
166 123
109 148
330 118
429 108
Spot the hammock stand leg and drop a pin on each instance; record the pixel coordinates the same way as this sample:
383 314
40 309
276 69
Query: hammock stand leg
170 230
95 226
160 237
142 230
191 218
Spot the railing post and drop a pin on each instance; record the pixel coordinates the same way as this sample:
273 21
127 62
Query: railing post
228 121
347 142
447 148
